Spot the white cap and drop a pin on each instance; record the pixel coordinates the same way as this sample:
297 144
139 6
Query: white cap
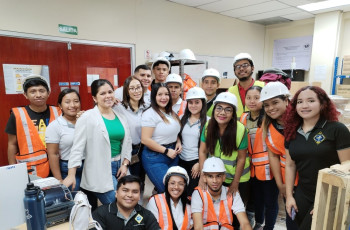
273 89
211 73
187 54
161 59
176 171
174 78
35 77
213 164
226 97
195 93
242 56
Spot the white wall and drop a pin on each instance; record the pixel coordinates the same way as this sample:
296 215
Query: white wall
156 25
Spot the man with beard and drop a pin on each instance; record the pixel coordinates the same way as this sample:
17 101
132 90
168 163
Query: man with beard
211 208
243 67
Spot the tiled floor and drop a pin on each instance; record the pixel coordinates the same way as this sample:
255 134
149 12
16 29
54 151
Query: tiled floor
280 224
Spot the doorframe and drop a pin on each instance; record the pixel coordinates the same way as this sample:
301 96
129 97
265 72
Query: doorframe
73 40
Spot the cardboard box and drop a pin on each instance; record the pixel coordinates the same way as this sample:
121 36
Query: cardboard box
343 90
296 85
227 83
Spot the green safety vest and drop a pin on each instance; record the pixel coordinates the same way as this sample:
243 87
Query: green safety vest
230 161
234 90
210 110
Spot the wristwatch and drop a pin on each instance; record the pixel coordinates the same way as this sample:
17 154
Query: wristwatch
166 151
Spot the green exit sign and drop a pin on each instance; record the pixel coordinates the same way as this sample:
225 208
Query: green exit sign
68 29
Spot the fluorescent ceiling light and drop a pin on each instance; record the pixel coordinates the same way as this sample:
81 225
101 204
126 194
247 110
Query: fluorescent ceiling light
324 5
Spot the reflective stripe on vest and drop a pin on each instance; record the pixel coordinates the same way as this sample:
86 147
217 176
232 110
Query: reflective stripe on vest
230 162
31 148
260 167
235 91
165 221
275 142
210 219
182 108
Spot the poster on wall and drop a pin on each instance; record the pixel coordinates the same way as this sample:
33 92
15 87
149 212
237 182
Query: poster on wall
14 76
294 52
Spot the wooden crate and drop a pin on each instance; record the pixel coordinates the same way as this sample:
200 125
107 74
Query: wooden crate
331 209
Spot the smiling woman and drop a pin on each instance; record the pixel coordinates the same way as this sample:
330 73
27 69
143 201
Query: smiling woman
102 135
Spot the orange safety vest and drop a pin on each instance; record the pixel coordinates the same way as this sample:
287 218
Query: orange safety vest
275 142
210 220
182 108
260 164
31 148
165 221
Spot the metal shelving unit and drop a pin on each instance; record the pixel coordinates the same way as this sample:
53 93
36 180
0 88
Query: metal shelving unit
336 76
182 62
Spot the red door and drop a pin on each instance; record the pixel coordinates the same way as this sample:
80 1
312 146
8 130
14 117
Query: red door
64 66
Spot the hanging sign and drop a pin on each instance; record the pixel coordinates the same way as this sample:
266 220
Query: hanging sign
68 29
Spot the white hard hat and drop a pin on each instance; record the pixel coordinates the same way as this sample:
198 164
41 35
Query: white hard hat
27 79
174 78
226 97
161 59
213 164
195 93
176 171
187 54
273 89
211 73
242 56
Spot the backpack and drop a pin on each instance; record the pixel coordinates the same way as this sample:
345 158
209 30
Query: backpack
80 216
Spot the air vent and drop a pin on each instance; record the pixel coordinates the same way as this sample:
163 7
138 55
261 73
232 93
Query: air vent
271 21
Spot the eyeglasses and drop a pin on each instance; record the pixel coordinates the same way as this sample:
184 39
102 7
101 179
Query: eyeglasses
138 88
227 110
174 184
244 66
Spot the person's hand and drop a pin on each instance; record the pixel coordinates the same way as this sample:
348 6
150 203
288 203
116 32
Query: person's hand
282 189
171 153
290 202
233 188
116 101
80 113
195 172
312 212
201 183
122 171
178 147
69 181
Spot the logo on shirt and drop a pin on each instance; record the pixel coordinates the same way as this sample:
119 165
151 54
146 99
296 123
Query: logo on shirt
319 138
138 218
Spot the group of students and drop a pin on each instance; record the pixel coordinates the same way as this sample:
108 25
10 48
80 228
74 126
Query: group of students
233 150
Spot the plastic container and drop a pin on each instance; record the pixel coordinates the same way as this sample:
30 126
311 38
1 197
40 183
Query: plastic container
34 208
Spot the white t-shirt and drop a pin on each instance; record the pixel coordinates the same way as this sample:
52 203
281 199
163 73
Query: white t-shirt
178 214
118 93
61 132
134 122
164 133
197 203
177 106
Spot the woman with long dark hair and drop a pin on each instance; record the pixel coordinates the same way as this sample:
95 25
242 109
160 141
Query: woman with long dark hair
314 140
101 135
159 134
192 124
173 201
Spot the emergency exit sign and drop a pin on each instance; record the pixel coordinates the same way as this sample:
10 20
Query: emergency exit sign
68 29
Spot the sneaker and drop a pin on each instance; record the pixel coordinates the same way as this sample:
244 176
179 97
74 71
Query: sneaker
258 226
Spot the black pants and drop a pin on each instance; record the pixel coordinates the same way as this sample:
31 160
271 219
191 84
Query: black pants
305 206
187 165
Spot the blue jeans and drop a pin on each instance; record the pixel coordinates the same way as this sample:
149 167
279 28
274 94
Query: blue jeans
156 165
64 174
109 197
265 202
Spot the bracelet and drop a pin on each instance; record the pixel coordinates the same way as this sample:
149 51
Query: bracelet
125 164
166 151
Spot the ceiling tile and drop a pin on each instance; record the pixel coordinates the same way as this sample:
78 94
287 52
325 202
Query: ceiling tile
298 16
298 2
271 14
255 9
225 5
193 2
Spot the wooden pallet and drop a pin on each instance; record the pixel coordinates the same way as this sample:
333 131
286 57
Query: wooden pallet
331 209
